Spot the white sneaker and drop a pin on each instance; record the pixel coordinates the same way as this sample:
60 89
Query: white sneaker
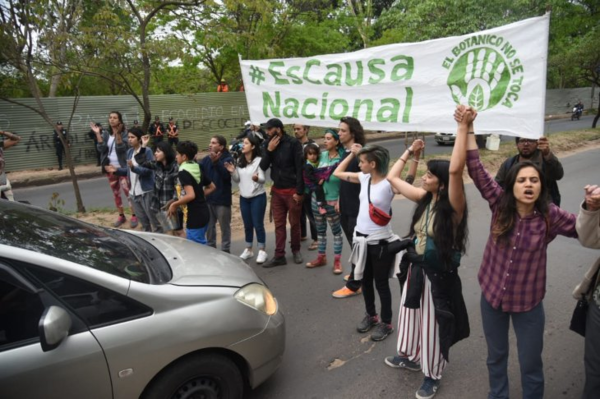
247 254
262 257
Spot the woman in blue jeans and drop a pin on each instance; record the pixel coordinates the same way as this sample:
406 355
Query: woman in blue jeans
253 199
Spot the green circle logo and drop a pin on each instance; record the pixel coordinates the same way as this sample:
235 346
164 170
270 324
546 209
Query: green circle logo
479 78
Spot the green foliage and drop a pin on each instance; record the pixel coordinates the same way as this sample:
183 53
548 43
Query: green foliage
138 47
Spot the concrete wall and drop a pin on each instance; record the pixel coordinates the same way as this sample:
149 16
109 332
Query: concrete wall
199 117
561 101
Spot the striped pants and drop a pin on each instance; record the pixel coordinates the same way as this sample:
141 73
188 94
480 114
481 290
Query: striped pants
336 228
418 333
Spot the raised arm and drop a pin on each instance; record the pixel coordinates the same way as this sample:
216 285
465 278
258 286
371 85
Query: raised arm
340 171
465 143
464 134
394 176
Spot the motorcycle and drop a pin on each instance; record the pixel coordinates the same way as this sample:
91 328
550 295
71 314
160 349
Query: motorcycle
576 113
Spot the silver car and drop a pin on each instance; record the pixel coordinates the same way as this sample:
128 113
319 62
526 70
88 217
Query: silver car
88 312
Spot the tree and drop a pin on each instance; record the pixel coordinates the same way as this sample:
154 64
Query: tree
22 24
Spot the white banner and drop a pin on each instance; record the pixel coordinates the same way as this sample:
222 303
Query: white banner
413 86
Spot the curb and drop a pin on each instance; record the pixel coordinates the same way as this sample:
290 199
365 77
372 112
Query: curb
45 181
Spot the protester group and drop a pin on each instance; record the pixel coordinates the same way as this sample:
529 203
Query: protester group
347 185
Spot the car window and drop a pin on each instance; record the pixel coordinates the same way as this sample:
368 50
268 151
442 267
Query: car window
111 251
96 305
20 313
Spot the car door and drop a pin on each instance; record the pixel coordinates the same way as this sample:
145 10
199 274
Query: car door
76 368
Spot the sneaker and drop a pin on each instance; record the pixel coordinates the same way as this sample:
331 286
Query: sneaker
120 221
346 277
262 257
314 246
381 332
399 362
428 389
247 254
133 222
320 261
298 258
276 262
345 292
337 266
367 323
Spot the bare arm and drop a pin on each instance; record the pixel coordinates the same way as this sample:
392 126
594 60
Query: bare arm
400 186
340 171
208 190
464 134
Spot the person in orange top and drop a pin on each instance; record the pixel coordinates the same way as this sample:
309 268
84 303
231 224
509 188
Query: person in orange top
173 132
223 87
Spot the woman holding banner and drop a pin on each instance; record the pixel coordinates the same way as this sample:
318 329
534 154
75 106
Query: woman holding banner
433 315
513 270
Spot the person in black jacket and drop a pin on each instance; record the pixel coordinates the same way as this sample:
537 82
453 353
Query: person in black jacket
283 154
58 143
538 152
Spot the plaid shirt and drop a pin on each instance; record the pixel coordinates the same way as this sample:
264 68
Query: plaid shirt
164 180
513 276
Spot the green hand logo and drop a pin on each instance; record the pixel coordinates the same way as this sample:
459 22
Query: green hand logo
479 79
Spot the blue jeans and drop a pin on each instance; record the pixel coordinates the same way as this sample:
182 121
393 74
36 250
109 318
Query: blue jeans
253 214
529 329
197 235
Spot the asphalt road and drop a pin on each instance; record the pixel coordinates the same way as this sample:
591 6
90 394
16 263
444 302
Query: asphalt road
327 358
96 194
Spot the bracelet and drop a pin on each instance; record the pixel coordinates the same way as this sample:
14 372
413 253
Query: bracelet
471 133
402 159
415 160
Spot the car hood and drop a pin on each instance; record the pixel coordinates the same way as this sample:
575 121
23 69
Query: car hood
195 264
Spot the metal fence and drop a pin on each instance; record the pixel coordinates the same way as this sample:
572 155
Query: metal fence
199 117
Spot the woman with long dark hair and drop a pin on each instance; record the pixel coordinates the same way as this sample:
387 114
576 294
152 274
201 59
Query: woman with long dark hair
326 212
513 270
433 314
253 198
165 175
112 145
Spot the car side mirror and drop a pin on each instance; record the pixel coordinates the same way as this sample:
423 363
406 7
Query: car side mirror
54 326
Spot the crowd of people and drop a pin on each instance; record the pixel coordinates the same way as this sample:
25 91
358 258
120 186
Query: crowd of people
347 186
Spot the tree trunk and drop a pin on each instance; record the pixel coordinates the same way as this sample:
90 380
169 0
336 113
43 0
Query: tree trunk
597 114
146 81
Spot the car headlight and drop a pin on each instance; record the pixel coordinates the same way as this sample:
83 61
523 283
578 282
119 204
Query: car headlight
257 297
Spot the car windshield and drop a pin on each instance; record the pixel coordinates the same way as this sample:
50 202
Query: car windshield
111 251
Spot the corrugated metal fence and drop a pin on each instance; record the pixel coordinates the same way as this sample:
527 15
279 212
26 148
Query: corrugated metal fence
199 117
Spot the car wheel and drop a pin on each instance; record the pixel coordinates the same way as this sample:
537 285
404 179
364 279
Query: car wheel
206 377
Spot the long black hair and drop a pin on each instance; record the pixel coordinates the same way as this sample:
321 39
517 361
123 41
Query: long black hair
166 149
120 117
447 236
504 222
242 161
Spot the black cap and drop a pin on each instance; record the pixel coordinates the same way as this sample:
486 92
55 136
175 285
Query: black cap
135 122
59 123
274 122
